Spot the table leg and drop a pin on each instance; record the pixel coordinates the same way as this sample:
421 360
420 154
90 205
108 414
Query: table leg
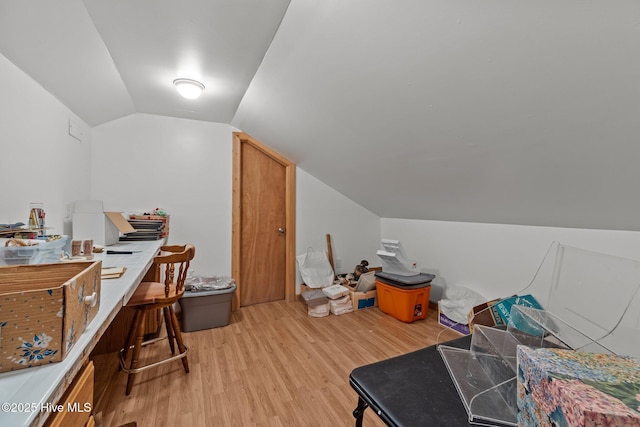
358 413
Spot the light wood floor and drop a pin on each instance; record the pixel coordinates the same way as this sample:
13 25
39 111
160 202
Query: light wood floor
273 365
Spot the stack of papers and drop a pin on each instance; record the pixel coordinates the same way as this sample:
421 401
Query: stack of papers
113 272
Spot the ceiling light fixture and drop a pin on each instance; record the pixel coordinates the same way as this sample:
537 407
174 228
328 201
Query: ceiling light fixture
190 89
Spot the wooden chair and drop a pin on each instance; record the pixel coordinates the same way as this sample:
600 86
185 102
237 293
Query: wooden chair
172 263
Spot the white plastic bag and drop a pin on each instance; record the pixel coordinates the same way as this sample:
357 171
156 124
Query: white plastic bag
315 270
195 283
458 302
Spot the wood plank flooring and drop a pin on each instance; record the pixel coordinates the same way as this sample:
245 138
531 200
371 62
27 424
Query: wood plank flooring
273 365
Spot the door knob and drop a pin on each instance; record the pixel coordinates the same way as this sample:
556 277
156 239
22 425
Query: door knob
281 230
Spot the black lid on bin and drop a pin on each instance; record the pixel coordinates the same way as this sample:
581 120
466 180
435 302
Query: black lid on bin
398 280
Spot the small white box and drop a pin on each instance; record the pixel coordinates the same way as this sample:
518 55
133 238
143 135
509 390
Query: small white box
89 222
335 291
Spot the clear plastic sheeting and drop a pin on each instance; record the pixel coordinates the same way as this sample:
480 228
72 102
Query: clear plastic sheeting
485 375
591 303
203 283
489 399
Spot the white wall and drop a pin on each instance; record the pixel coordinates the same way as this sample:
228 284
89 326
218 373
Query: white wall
40 162
320 210
184 166
493 259
143 161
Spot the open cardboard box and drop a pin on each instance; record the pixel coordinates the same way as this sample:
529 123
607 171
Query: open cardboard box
51 305
362 300
90 222
460 328
482 314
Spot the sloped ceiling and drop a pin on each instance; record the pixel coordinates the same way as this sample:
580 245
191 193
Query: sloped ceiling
481 111
108 59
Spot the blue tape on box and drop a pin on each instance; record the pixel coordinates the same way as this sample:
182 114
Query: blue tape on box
364 303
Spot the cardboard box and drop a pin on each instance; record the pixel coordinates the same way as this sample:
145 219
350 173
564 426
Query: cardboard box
571 388
502 310
44 309
90 222
361 300
451 324
481 314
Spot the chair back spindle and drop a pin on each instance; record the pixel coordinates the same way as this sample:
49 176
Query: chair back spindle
180 255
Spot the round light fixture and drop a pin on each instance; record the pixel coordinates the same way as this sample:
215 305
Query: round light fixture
190 89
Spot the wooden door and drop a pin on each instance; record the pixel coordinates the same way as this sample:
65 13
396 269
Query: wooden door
263 223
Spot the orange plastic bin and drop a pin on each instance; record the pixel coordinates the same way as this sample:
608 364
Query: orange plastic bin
405 303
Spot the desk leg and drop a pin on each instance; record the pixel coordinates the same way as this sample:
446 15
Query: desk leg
358 413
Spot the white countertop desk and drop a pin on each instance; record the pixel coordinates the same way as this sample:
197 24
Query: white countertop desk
40 385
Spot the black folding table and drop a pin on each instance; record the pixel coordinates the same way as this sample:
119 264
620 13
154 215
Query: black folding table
414 389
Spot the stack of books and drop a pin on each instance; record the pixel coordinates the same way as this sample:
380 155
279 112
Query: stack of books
146 229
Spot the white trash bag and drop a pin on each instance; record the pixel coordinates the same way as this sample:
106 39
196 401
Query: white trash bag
195 283
315 270
458 302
